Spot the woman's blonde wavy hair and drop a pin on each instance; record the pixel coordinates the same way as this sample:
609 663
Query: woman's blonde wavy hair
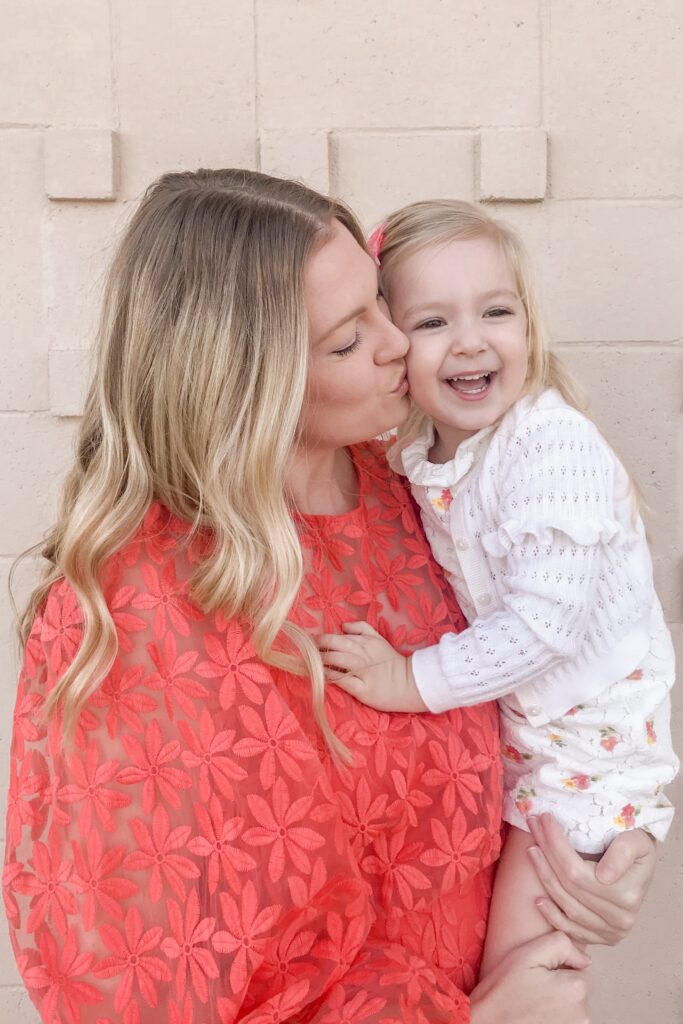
199 382
440 221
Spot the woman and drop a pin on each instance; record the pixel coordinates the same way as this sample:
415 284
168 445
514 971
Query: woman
197 831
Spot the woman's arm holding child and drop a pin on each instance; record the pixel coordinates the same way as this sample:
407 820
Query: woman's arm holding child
514 917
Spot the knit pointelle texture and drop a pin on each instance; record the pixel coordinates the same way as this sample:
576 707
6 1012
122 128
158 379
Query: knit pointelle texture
540 521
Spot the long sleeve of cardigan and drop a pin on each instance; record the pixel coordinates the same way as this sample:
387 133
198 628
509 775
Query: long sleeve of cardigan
558 563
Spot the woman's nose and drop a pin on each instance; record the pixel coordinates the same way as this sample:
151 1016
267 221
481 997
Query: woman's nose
394 343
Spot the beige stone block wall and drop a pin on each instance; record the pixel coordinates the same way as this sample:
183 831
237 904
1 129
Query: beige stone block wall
566 114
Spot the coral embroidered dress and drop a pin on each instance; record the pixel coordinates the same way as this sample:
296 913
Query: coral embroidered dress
199 857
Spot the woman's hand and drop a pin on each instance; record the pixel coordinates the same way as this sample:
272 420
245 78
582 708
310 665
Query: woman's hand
541 981
594 902
367 667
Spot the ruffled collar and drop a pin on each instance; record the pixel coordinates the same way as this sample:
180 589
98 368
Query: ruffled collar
420 471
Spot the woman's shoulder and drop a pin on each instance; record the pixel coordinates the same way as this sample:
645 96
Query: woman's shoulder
150 571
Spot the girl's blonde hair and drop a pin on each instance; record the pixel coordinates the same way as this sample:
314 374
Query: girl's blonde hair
440 221
199 382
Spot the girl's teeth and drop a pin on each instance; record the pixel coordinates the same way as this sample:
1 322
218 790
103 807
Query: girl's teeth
465 382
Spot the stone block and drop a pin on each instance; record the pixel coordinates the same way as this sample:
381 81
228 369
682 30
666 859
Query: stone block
23 344
55 63
8 694
80 240
9 973
613 83
296 154
16 1005
186 88
513 163
69 377
24 579
407 65
35 453
635 397
376 172
607 270
80 163
613 270
620 991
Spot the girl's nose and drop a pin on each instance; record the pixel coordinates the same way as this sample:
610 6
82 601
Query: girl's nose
468 340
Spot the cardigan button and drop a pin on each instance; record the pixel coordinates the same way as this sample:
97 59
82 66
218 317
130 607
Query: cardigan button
461 545
534 711
484 599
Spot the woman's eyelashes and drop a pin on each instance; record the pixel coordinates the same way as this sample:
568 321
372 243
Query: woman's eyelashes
349 348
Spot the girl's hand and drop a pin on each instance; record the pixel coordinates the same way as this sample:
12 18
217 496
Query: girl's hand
540 981
591 901
367 667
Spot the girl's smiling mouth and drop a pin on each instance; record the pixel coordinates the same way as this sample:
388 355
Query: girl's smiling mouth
472 386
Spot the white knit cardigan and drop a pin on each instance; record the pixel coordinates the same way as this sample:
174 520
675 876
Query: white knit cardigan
536 517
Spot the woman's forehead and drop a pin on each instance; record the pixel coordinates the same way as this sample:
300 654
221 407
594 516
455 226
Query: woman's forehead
338 279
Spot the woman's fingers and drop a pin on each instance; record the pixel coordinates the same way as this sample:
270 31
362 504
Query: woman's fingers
560 922
583 904
562 858
618 901
627 850
609 911
569 905
552 951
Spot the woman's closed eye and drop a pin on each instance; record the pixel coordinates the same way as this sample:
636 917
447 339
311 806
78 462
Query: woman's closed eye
348 349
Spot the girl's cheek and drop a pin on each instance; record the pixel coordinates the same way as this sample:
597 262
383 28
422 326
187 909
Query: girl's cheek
416 363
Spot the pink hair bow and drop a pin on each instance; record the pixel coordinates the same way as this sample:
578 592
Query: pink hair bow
375 242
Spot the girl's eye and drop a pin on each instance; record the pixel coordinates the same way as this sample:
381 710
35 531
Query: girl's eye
431 324
498 311
349 348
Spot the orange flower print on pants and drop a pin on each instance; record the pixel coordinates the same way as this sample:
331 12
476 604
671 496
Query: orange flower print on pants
579 781
650 731
609 738
512 754
627 816
523 800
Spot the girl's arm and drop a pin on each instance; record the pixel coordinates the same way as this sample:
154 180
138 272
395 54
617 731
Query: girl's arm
539 625
555 521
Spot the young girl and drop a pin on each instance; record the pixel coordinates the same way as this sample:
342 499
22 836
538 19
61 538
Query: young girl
535 521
